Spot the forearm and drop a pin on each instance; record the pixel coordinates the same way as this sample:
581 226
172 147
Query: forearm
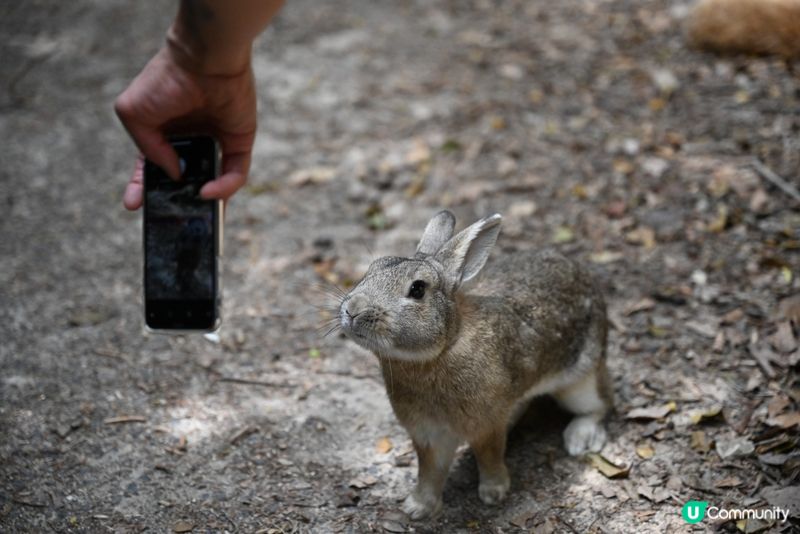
215 37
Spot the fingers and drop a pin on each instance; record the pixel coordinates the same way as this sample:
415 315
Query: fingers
236 153
233 177
155 147
150 139
134 191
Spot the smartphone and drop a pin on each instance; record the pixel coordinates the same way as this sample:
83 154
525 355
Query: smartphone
182 241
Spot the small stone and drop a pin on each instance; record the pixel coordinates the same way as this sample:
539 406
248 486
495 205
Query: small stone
655 167
665 80
183 526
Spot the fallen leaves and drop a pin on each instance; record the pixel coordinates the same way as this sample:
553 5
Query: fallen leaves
645 451
311 176
787 498
645 304
183 526
606 467
384 445
643 236
734 447
363 481
699 441
783 339
605 256
653 412
562 234
705 415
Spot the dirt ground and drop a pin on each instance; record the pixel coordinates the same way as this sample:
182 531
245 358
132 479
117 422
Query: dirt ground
587 123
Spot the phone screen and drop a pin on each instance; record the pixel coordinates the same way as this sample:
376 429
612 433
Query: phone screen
180 241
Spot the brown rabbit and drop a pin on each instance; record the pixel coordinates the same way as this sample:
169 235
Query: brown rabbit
750 26
461 365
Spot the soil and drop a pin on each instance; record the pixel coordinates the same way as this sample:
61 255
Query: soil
588 124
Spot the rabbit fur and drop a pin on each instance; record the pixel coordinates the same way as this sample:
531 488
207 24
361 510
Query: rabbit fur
462 356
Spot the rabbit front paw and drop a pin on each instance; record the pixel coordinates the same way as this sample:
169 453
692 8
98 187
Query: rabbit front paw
492 491
421 507
584 434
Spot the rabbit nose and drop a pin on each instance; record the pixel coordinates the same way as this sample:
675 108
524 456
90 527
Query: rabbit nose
355 306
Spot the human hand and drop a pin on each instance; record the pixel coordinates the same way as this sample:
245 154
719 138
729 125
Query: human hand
171 96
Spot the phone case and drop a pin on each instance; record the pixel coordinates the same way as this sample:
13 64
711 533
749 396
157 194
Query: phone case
218 246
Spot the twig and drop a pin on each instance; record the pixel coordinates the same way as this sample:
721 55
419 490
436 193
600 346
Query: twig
243 434
125 419
111 353
23 502
767 173
249 382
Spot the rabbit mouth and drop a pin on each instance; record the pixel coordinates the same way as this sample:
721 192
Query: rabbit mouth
363 333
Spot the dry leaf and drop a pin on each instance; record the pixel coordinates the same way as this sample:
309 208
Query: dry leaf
419 153
362 482
384 445
731 448
719 222
703 328
608 492
759 201
656 104
777 405
789 309
786 420
546 527
645 451
642 236
497 123
705 415
783 339
606 467
623 166
641 305
521 520
719 342
605 256
416 187
730 482
312 176
732 316
787 497
655 412
699 442
182 526
563 234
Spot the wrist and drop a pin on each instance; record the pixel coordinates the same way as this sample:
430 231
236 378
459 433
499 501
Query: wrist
193 54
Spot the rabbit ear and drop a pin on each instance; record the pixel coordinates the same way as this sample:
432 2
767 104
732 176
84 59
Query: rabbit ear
436 234
464 255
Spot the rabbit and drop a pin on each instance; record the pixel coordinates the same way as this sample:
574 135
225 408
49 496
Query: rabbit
461 357
749 26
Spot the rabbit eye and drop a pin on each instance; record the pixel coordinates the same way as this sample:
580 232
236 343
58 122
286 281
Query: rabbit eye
417 289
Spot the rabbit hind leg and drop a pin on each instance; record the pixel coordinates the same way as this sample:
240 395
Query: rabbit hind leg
588 400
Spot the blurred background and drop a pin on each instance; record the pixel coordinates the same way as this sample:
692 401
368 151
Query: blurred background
591 125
